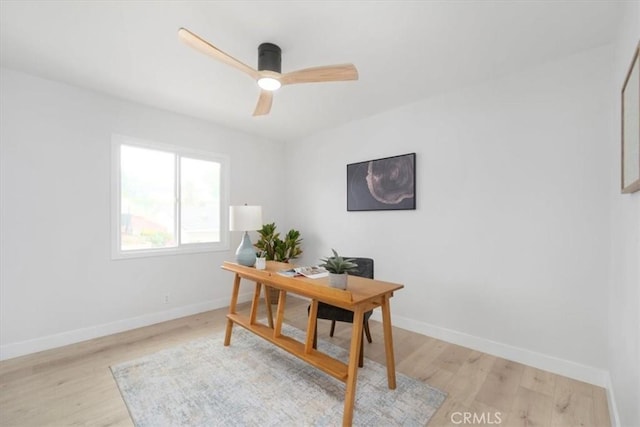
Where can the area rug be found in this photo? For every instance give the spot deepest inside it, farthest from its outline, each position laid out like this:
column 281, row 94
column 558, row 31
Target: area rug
column 254, row 383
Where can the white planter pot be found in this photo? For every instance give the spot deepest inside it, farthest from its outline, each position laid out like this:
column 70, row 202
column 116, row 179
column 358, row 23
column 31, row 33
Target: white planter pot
column 338, row 280
column 261, row 263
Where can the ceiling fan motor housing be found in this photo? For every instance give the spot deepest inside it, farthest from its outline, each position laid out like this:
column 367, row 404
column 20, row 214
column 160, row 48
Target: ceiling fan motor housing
column 269, row 57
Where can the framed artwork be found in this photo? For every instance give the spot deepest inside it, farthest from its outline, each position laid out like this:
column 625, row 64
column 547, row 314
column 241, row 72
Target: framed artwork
column 382, row 184
column 631, row 127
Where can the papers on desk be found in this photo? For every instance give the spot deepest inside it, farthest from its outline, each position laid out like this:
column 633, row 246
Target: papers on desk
column 313, row 272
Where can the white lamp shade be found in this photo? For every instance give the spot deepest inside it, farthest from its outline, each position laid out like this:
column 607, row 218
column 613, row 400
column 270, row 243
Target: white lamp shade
column 245, row 218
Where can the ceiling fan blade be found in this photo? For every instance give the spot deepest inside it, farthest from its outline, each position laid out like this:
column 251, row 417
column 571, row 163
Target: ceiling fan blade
column 329, row 73
column 207, row 48
column 264, row 103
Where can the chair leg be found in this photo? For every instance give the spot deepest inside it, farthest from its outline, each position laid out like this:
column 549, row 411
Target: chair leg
column 333, row 328
column 367, row 331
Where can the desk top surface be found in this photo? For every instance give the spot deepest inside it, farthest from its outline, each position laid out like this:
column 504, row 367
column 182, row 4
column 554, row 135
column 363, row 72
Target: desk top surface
column 359, row 289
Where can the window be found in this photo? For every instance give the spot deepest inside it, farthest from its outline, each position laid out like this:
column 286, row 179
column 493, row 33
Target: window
column 167, row 199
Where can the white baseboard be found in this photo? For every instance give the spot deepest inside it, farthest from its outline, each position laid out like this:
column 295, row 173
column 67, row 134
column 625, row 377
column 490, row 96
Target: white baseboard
column 9, row 351
column 545, row 362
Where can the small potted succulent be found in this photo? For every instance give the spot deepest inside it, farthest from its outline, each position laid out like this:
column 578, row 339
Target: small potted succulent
column 338, row 267
column 261, row 260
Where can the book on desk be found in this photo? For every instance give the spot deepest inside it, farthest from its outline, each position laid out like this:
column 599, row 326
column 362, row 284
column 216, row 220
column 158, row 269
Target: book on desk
column 312, row 272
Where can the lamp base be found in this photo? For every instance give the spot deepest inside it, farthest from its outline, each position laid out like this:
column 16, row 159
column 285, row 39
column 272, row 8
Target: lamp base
column 246, row 254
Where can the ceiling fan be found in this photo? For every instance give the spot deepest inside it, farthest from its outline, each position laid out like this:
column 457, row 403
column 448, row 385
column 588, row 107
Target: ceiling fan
column 268, row 75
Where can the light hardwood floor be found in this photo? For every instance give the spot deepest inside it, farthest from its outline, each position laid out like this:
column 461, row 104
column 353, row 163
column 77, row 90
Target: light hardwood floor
column 73, row 385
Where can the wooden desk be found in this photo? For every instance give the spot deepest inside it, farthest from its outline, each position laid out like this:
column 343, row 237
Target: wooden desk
column 361, row 296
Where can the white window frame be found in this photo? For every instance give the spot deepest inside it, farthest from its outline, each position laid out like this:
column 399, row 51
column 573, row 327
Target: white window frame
column 116, row 250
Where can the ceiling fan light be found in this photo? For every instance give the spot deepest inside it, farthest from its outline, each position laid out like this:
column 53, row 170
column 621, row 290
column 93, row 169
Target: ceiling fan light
column 269, row 83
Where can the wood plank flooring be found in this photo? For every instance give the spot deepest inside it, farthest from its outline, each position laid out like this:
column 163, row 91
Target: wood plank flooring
column 73, row 385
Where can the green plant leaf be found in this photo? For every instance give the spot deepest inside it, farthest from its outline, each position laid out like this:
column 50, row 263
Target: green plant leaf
column 337, row 264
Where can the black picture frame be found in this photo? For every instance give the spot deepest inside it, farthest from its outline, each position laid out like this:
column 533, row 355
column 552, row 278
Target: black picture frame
column 630, row 168
column 383, row 184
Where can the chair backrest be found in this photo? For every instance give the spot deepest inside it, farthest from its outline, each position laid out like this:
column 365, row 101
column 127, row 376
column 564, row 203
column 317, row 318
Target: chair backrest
column 365, row 267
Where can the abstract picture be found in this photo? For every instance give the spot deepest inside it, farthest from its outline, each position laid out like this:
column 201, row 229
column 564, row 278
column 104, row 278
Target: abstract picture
column 382, row 184
column 631, row 127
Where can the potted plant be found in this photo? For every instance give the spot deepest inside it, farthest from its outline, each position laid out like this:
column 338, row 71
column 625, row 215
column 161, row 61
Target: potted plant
column 338, row 267
column 275, row 249
column 261, row 260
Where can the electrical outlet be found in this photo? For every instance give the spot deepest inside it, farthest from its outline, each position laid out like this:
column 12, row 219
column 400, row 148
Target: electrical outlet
column 166, row 298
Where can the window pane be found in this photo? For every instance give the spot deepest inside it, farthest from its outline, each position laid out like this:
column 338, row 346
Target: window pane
column 147, row 198
column 199, row 201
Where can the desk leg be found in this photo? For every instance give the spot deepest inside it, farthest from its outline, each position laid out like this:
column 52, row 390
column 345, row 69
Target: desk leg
column 388, row 342
column 254, row 304
column 311, row 327
column 232, row 309
column 267, row 301
column 282, row 301
column 352, row 376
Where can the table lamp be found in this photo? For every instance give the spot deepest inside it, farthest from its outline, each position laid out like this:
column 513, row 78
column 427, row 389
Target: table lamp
column 245, row 218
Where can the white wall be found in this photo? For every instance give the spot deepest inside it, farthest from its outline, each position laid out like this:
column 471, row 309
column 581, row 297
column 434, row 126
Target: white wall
column 508, row 248
column 624, row 286
column 58, row 281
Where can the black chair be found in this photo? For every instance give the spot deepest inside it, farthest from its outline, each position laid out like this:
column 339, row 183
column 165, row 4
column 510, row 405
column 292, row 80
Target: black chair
column 333, row 313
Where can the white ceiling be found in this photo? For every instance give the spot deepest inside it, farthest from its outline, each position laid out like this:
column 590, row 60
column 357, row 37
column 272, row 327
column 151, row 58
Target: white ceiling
column 404, row 51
